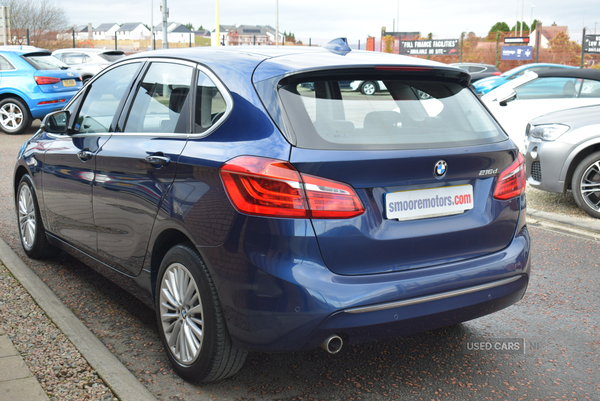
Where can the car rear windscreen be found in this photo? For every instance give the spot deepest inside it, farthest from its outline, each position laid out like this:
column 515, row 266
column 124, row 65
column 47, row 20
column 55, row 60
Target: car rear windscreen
column 112, row 56
column 43, row 61
column 400, row 114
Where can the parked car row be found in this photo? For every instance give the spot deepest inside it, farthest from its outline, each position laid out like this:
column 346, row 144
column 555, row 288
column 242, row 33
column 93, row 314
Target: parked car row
column 35, row 82
column 32, row 84
column 552, row 112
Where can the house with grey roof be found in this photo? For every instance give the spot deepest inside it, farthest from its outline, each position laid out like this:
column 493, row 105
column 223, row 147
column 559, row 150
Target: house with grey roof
column 245, row 35
column 176, row 33
column 106, row 31
column 133, row 31
column 82, row 32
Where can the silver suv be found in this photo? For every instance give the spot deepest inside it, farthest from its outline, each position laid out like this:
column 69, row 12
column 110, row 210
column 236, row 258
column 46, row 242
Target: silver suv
column 88, row 62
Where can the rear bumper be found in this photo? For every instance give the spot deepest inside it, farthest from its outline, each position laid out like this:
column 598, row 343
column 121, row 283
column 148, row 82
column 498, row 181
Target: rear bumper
column 286, row 302
column 40, row 110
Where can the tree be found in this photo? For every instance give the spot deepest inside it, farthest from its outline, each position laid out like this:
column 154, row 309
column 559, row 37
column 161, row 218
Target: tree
column 190, row 26
column 41, row 17
column 517, row 27
column 563, row 50
column 500, row 27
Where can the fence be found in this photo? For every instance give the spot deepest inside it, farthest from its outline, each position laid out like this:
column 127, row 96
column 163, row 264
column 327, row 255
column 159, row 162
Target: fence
column 560, row 50
column 61, row 39
column 487, row 50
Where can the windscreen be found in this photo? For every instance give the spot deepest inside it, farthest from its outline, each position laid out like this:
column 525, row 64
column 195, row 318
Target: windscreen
column 386, row 114
column 45, row 62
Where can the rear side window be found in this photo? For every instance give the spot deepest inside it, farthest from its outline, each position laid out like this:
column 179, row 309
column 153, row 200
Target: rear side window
column 210, row 104
column 5, row 65
column 44, row 62
column 400, row 114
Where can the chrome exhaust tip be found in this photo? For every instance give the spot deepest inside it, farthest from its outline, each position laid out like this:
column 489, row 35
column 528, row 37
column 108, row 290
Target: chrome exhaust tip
column 332, row 344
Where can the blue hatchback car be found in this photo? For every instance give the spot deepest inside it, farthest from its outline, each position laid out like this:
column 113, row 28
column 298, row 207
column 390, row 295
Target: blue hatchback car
column 32, row 84
column 254, row 213
column 485, row 85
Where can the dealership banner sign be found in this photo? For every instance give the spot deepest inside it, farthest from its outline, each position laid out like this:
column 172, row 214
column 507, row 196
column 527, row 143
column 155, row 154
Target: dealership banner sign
column 591, row 44
column 444, row 47
column 516, row 52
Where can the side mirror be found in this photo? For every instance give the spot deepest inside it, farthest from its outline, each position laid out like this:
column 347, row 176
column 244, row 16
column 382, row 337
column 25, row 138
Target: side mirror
column 503, row 101
column 56, row 122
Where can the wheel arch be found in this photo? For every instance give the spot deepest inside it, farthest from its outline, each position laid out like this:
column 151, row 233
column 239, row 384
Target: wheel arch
column 12, row 95
column 19, row 173
column 580, row 154
column 165, row 241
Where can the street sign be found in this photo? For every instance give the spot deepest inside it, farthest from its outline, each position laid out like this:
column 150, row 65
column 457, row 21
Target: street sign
column 516, row 52
column 444, row 47
column 591, row 44
column 524, row 39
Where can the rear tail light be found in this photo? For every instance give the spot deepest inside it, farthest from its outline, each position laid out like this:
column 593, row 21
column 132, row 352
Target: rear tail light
column 512, row 181
column 497, row 73
column 51, row 101
column 269, row 187
column 46, row 80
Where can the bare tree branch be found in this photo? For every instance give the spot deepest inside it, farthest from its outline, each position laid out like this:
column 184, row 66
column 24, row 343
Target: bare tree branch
column 44, row 20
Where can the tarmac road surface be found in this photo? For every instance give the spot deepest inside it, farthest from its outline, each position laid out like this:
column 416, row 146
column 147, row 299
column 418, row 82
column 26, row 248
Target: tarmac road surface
column 555, row 327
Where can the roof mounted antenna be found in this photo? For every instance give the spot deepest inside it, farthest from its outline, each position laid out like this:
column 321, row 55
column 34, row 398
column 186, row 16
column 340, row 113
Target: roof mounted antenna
column 338, row 46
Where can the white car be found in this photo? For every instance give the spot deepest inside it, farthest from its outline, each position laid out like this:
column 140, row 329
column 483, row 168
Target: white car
column 368, row 87
column 517, row 102
column 88, row 62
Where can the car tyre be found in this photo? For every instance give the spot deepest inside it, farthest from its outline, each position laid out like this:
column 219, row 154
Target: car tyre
column 190, row 319
column 14, row 116
column 586, row 185
column 368, row 88
column 31, row 228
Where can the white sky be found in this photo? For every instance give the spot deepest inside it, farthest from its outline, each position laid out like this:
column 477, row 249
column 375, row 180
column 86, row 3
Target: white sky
column 354, row 19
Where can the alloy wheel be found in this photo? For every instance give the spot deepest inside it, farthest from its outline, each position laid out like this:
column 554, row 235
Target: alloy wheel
column 181, row 314
column 27, row 221
column 590, row 186
column 11, row 116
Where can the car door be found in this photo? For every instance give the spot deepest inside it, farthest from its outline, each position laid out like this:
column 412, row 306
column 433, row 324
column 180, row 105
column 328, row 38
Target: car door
column 136, row 166
column 69, row 161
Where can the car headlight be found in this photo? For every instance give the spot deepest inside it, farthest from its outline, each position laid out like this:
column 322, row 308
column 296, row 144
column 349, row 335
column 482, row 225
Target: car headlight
column 549, row 132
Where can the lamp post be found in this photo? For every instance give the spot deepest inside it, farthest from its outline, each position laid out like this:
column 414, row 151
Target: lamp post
column 398, row 28
column 522, row 11
column 531, row 22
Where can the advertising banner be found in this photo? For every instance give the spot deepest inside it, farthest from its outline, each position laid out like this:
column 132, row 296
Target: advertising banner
column 591, row 44
column 516, row 52
column 444, row 47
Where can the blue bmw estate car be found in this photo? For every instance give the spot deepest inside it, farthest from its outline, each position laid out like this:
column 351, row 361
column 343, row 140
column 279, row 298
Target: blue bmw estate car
column 255, row 212
column 32, row 84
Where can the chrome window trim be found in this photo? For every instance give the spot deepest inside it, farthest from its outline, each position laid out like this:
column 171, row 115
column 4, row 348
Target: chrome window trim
column 220, row 86
column 80, row 92
column 434, row 297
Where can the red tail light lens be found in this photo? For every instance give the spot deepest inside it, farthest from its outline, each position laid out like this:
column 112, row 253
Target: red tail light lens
column 497, row 73
column 512, row 181
column 46, row 80
column 268, row 187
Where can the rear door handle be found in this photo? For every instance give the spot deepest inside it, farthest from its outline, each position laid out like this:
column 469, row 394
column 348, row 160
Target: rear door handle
column 158, row 160
column 85, row 155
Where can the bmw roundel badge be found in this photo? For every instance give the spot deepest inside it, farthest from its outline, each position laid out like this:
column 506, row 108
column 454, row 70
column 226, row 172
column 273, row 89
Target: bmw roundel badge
column 440, row 169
